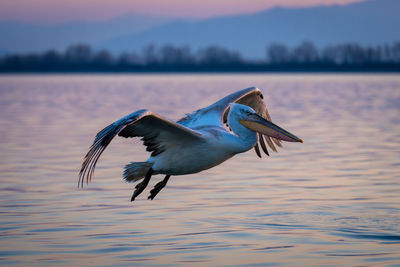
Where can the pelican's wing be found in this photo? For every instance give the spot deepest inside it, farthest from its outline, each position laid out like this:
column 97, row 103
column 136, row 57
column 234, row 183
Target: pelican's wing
column 217, row 113
column 158, row 134
column 254, row 99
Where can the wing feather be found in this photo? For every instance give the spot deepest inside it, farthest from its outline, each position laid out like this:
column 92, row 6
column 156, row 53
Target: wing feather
column 217, row 114
column 158, row 134
column 262, row 143
column 257, row 149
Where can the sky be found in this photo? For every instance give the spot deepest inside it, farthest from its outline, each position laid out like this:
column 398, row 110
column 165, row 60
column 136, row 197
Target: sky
column 60, row 11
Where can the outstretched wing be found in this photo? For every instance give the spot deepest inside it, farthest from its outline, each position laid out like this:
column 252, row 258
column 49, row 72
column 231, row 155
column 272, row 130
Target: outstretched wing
column 217, row 113
column 158, row 134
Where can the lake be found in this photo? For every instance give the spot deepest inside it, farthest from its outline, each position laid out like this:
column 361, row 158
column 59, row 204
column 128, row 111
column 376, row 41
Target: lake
column 334, row 200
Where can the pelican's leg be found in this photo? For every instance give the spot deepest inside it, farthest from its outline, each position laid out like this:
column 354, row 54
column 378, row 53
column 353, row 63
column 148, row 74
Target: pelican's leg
column 141, row 186
column 157, row 188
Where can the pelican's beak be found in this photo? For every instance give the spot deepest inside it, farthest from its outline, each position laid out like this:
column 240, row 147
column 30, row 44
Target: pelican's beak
column 260, row 125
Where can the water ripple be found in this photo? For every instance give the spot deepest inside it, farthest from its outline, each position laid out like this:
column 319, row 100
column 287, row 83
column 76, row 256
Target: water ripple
column 332, row 201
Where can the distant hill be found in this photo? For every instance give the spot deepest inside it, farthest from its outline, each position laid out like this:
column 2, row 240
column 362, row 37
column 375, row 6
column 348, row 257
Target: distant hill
column 369, row 22
column 22, row 37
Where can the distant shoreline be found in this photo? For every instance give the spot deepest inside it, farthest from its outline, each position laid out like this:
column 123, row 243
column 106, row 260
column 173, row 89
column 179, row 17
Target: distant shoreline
column 355, row 71
column 168, row 59
column 305, row 58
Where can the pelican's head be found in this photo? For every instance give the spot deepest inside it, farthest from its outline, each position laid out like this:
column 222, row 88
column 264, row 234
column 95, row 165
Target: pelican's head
column 251, row 120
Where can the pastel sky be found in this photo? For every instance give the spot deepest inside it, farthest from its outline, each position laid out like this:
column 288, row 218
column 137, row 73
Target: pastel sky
column 58, row 11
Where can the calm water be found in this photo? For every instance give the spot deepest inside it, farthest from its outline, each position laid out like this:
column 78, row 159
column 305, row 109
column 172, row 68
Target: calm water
column 333, row 200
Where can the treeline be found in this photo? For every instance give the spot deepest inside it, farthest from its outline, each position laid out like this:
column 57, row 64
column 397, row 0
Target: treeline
column 304, row 57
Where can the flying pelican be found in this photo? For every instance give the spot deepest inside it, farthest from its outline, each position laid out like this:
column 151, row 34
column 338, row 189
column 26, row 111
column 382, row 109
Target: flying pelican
column 199, row 141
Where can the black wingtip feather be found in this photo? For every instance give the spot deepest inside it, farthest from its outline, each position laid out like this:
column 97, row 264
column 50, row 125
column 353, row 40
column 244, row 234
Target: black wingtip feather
column 262, row 143
column 257, row 149
column 102, row 140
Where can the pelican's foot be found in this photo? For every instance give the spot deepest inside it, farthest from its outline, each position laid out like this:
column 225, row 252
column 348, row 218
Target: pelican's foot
column 138, row 190
column 138, row 185
column 141, row 186
column 157, row 188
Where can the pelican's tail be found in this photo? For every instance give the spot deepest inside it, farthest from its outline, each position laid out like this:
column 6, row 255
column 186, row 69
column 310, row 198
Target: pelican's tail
column 135, row 171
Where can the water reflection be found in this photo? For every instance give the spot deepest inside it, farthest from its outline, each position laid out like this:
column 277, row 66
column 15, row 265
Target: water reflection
column 332, row 200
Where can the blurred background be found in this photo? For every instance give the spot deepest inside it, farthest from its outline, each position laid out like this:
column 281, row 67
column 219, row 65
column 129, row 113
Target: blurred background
column 149, row 36
column 328, row 70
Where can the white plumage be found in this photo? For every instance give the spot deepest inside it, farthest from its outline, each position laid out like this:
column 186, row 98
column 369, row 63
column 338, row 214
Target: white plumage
column 197, row 142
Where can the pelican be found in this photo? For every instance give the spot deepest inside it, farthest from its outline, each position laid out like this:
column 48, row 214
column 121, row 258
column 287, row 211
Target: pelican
column 199, row 141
